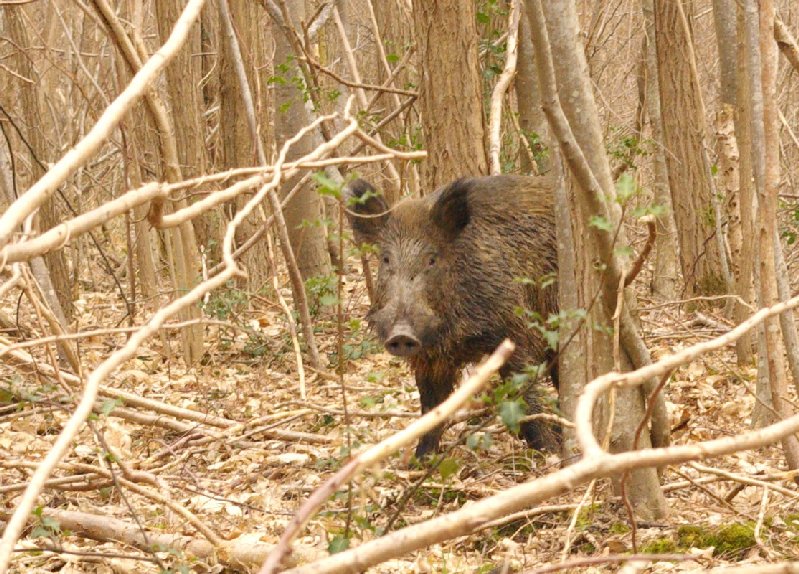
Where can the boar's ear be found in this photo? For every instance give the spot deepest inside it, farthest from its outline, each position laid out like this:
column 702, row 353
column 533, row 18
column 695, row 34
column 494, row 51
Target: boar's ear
column 366, row 210
column 451, row 211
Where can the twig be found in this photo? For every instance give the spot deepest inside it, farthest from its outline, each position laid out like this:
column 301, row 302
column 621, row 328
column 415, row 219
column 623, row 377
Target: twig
column 751, row 481
column 502, row 85
column 289, row 317
column 639, row 261
column 356, row 84
column 564, row 553
column 761, row 516
column 359, row 92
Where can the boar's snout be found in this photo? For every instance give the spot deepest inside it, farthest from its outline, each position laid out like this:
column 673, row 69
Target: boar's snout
column 402, row 341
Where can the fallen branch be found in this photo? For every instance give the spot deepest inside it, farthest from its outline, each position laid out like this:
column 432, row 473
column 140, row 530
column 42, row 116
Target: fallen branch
column 242, row 552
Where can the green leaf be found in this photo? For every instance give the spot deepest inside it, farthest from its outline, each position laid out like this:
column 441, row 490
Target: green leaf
column 363, row 523
column 109, row 405
column 367, row 402
column 327, row 186
column 39, row 532
column 511, row 412
column 552, row 338
column 448, row 467
column 339, row 543
column 479, row 441
column 625, row 188
column 328, row 300
column 624, row 251
column 51, row 523
column 600, row 223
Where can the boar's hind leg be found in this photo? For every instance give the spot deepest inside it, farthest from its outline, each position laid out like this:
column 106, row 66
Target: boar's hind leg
column 540, row 434
column 435, row 384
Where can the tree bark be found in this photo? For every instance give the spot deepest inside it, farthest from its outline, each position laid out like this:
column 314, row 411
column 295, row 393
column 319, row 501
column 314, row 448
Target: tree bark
column 744, row 285
column 184, row 261
column 528, row 95
column 450, row 94
column 183, row 80
column 684, row 134
column 238, row 148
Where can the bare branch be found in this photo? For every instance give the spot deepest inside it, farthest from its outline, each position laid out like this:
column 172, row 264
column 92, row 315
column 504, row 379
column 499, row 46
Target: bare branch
column 502, row 86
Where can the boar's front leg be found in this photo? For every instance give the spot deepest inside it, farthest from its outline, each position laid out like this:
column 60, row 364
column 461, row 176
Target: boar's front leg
column 434, row 382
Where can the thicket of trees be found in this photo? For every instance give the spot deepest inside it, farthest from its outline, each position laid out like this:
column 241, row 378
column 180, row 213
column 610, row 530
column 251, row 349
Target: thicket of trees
column 182, row 162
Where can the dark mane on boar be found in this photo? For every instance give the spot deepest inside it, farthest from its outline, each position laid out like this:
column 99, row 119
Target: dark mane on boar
column 448, row 286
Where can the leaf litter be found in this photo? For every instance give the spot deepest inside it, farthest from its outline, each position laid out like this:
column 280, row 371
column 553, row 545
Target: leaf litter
column 245, row 482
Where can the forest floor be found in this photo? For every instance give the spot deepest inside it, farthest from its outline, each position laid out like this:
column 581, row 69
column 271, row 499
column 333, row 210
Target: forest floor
column 247, row 482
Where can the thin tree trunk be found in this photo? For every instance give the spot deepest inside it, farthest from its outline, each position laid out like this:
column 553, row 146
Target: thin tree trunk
column 304, row 212
column 528, row 95
column 744, row 285
column 759, row 25
column 183, row 79
column 684, row 133
column 450, row 94
column 186, row 256
column 31, row 111
column 664, row 278
column 787, row 323
column 238, row 148
column 726, row 146
column 133, row 130
column 239, row 69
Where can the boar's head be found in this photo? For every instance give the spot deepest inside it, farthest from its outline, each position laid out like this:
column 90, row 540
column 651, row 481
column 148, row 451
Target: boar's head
column 418, row 262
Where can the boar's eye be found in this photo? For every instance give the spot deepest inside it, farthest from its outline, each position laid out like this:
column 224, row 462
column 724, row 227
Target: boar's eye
column 385, row 259
column 431, row 261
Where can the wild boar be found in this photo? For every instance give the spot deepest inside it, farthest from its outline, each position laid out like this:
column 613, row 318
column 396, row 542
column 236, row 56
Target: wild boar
column 454, row 269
